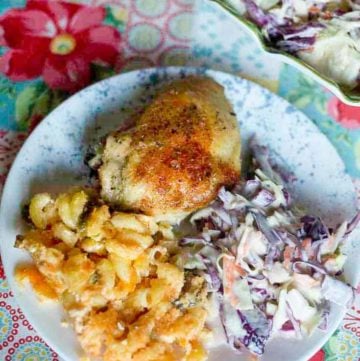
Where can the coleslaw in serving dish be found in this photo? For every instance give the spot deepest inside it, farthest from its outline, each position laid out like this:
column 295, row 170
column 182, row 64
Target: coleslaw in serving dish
column 320, row 37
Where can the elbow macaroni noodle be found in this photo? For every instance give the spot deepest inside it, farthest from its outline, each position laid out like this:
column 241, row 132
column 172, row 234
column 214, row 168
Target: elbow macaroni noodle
column 113, row 274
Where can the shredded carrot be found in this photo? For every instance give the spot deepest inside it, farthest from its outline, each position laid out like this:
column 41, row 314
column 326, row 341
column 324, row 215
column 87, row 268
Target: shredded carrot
column 306, row 245
column 327, row 15
column 233, row 267
column 232, row 272
column 288, row 253
column 314, row 10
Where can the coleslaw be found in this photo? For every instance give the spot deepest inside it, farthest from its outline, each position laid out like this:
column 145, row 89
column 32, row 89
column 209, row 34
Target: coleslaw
column 271, row 269
column 324, row 33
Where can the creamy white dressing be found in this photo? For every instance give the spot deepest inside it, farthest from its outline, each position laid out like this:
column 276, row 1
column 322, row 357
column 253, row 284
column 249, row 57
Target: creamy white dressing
column 336, row 56
column 336, row 291
column 280, row 316
column 266, row 261
column 267, row 4
column 308, row 286
column 241, row 290
column 277, row 273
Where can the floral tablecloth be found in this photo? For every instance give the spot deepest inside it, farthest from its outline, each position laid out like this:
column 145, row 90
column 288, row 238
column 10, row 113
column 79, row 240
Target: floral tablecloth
column 50, row 49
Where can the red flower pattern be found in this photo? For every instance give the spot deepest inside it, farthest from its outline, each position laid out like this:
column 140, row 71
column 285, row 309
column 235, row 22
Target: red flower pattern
column 57, row 40
column 346, row 115
column 319, row 356
column 2, row 273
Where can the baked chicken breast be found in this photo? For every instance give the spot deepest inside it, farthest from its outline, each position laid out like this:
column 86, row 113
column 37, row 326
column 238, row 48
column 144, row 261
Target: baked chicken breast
column 183, row 148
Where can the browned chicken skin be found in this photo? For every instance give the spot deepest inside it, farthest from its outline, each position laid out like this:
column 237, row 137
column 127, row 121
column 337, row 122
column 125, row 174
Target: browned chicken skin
column 183, row 148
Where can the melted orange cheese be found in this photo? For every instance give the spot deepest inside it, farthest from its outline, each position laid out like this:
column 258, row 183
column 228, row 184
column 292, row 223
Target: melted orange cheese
column 37, row 281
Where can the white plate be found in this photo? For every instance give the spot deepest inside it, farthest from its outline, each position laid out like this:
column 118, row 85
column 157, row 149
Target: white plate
column 52, row 159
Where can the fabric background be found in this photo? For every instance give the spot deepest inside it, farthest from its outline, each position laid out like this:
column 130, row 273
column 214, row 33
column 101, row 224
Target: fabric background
column 155, row 33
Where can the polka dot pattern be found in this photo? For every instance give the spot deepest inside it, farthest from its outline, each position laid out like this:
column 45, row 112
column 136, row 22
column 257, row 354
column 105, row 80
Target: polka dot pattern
column 137, row 62
column 185, row 3
column 6, row 324
column 9, row 324
column 179, row 26
column 174, row 56
column 144, row 37
column 151, row 8
column 343, row 344
column 158, row 32
column 30, row 348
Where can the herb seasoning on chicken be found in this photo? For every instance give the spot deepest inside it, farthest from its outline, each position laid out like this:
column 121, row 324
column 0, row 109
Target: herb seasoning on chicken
column 181, row 151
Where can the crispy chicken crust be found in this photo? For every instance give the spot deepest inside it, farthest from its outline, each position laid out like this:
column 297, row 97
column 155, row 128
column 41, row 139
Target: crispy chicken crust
column 183, row 148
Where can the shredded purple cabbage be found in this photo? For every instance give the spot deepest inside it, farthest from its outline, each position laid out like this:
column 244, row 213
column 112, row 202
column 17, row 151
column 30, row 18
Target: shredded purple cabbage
column 268, row 250
column 257, row 15
column 314, row 228
column 299, row 27
column 257, row 327
column 271, row 234
column 306, row 267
